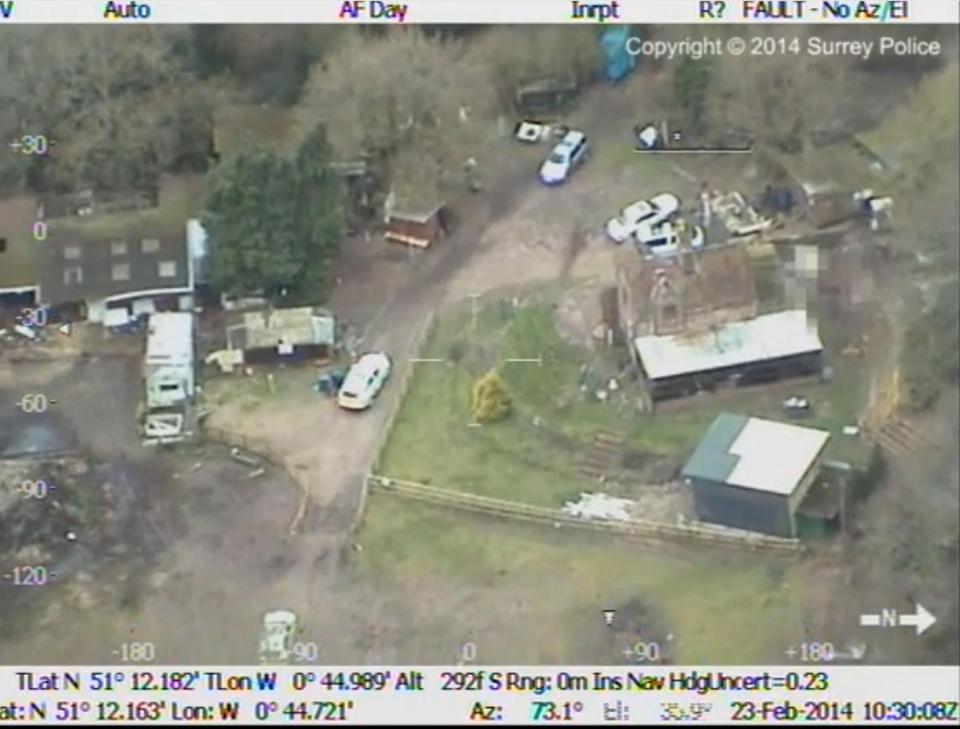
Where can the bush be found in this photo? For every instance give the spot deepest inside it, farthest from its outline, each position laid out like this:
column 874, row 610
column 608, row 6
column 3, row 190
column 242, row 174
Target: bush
column 930, row 356
column 490, row 401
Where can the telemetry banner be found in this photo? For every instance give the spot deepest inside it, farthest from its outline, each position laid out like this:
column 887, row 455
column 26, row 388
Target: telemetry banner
column 888, row 12
column 807, row 693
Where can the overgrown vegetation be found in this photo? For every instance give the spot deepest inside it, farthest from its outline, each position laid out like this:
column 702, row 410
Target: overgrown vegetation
column 123, row 106
column 420, row 123
column 931, row 347
column 272, row 63
column 117, row 106
column 691, row 82
column 921, row 145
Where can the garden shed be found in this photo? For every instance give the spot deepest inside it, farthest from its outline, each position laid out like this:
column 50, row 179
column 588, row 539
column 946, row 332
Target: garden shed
column 752, row 473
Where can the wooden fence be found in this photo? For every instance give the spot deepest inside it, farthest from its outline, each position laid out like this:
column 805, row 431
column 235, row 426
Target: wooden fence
column 639, row 529
column 403, row 379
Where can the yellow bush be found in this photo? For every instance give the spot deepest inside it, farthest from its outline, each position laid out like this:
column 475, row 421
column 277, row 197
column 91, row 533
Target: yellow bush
column 490, row 401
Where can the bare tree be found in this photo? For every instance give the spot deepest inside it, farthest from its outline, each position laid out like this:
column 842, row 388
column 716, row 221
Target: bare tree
column 781, row 102
column 407, row 100
column 102, row 97
column 514, row 55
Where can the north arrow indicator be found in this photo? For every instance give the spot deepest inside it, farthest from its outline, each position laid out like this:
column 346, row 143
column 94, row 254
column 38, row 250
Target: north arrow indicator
column 922, row 619
column 887, row 618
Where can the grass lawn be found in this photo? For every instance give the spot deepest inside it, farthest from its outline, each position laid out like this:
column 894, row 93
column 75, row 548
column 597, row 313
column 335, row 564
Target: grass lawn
column 720, row 606
column 533, row 455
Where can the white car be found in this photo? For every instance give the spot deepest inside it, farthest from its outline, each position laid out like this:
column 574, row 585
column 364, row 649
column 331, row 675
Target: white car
column 654, row 211
column 564, row 158
column 276, row 643
column 363, row 381
column 664, row 239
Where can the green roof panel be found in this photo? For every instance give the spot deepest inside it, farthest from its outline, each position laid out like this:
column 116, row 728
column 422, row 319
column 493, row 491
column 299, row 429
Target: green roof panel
column 711, row 460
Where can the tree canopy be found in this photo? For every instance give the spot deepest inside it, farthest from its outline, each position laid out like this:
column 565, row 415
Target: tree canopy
column 275, row 223
column 111, row 103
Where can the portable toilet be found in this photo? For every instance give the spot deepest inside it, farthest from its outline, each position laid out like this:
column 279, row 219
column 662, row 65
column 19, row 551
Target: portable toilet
column 617, row 60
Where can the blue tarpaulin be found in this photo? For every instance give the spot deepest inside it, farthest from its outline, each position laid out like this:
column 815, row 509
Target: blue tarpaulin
column 617, row 61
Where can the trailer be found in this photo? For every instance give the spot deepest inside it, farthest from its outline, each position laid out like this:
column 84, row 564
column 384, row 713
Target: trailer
column 169, row 377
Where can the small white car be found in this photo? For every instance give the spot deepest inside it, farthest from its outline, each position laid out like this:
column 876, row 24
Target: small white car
column 564, row 158
column 363, row 381
column 276, row 642
column 654, row 211
column 664, row 239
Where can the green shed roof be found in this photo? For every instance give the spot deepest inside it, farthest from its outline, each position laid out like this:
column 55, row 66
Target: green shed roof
column 711, row 460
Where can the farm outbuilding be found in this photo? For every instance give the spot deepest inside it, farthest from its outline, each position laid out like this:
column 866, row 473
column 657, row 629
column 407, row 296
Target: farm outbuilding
column 751, row 473
column 823, row 182
column 299, row 334
column 764, row 349
column 420, row 229
column 112, row 279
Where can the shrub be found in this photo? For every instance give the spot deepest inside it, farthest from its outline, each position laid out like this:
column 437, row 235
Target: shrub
column 490, row 401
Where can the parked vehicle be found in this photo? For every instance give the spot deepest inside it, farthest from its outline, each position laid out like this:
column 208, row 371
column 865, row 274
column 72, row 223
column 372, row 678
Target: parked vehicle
column 796, row 406
column 564, row 158
column 276, row 642
column 648, row 136
column 664, row 239
column 546, row 96
column 364, row 381
column 654, row 211
column 533, row 132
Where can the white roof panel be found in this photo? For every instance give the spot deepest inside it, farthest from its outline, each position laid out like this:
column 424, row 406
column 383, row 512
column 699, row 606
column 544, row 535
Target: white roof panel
column 783, row 334
column 774, row 456
column 170, row 338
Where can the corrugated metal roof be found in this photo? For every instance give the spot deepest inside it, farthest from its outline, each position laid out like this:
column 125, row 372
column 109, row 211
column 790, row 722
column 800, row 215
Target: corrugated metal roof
column 755, row 453
column 782, row 334
column 774, row 456
column 303, row 325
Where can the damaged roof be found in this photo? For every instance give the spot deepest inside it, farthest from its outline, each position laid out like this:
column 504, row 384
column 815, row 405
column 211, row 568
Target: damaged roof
column 305, row 325
column 713, row 278
column 766, row 337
